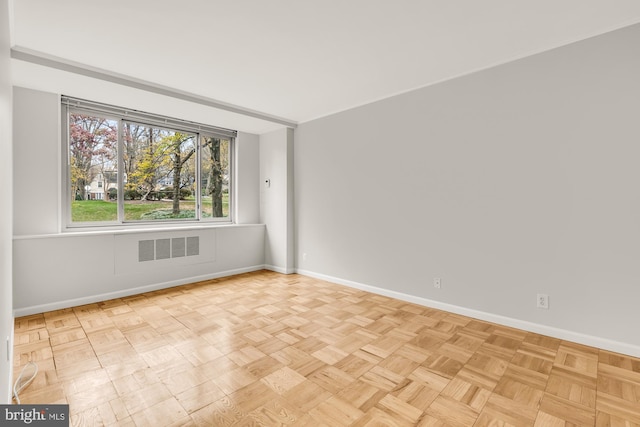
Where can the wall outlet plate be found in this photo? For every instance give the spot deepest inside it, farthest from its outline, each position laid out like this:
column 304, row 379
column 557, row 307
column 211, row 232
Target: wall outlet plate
column 436, row 282
column 543, row 301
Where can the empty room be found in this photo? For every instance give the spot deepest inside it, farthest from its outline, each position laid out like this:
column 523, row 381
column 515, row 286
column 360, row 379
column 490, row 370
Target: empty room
column 320, row 213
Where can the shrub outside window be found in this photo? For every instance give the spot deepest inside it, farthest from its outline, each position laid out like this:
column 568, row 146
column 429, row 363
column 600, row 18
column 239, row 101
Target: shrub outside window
column 127, row 167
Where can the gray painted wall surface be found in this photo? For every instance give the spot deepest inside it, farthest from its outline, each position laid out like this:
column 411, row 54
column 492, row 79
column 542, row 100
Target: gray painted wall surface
column 57, row 271
column 247, row 189
column 276, row 199
column 513, row 181
column 36, row 154
column 6, row 316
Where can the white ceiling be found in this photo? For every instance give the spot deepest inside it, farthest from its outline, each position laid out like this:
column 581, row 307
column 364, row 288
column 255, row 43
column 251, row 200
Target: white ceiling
column 302, row 59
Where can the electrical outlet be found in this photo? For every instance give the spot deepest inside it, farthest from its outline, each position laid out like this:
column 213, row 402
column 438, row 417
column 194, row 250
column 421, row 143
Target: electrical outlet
column 304, row 256
column 543, row 301
column 436, row 282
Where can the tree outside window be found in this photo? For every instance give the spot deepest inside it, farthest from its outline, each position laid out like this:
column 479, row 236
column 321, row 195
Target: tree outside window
column 165, row 174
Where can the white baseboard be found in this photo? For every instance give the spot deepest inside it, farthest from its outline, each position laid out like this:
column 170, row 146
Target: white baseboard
column 577, row 337
column 25, row 311
column 280, row 269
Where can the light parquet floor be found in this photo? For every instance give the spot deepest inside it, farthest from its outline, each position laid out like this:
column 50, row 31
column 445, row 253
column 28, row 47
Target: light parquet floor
column 270, row 349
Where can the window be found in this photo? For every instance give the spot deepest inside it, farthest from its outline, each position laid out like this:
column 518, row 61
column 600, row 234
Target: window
column 128, row 167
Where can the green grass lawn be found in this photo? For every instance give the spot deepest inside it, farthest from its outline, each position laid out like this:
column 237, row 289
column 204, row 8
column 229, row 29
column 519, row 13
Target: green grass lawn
column 100, row 210
column 93, row 210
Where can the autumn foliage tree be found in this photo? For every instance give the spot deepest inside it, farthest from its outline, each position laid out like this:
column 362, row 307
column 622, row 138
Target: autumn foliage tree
column 144, row 164
column 92, row 148
column 134, row 143
column 164, row 156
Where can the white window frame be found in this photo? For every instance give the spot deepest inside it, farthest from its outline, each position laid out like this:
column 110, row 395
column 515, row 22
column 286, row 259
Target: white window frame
column 121, row 115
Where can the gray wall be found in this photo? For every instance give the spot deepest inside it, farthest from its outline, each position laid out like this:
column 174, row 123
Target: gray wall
column 57, row 271
column 81, row 267
column 276, row 199
column 6, row 317
column 513, row 181
column 36, row 155
column 247, row 179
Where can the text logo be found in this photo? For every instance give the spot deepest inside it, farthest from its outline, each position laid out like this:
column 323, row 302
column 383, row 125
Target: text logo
column 34, row 415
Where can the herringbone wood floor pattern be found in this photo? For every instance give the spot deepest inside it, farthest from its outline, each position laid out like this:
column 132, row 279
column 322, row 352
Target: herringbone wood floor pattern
column 270, row 349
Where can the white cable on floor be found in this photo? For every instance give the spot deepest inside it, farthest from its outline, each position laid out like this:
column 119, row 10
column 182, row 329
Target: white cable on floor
column 17, row 387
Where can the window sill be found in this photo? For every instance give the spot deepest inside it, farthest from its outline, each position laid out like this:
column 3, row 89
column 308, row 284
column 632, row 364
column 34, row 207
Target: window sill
column 98, row 231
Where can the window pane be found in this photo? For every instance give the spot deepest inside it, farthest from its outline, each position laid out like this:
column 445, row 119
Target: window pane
column 159, row 174
column 130, row 166
column 93, row 161
column 214, row 176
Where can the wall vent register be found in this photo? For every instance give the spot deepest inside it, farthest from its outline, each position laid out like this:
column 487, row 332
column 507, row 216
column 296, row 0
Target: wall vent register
column 177, row 247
